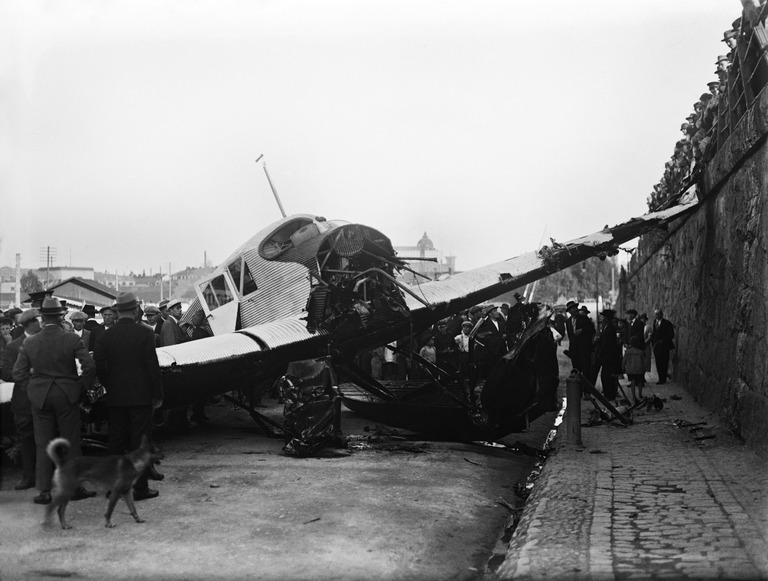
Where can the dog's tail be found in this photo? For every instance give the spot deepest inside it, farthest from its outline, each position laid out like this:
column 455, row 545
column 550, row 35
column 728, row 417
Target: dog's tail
column 58, row 450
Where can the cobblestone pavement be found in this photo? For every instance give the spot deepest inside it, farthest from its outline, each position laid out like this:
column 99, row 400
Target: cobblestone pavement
column 659, row 499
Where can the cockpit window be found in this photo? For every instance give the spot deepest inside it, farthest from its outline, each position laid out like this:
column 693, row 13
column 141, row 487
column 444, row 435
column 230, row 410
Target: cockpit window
column 216, row 293
column 241, row 274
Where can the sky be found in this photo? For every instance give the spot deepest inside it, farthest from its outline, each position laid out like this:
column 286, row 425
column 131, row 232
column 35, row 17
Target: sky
column 129, row 129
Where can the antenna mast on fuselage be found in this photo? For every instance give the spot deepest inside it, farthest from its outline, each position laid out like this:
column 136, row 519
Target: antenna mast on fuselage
column 274, row 191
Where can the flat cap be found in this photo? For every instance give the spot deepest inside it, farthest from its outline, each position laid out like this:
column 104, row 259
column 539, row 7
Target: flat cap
column 78, row 316
column 27, row 316
column 152, row 310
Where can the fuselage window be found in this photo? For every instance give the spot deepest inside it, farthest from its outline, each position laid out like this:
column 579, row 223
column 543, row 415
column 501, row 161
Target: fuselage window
column 219, row 286
column 210, row 297
column 241, row 274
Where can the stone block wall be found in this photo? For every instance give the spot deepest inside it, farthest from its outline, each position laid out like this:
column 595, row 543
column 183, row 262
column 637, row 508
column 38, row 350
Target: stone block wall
column 709, row 274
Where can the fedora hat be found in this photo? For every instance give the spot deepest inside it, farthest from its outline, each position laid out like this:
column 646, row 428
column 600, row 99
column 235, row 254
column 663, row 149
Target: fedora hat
column 52, row 306
column 608, row 313
column 571, row 305
column 126, row 301
column 89, row 310
column 174, row 303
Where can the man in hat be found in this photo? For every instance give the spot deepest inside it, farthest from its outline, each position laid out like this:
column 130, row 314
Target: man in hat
column 16, row 328
column 126, row 363
column 492, row 334
column 47, row 362
column 155, row 321
column 79, row 318
column 108, row 316
column 171, row 333
column 35, row 299
column 20, row 406
column 91, row 322
column 610, row 355
column 580, row 332
column 635, row 330
column 662, row 341
column 163, row 306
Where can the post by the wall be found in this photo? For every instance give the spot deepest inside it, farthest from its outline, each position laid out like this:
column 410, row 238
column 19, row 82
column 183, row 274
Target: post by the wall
column 573, row 411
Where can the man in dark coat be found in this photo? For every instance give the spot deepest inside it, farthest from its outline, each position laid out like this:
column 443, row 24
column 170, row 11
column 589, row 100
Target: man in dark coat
column 108, row 315
column 47, row 361
column 662, row 341
column 491, row 334
column 20, row 406
column 91, row 322
column 126, row 363
column 155, row 321
column 610, row 355
column 635, row 330
column 580, row 333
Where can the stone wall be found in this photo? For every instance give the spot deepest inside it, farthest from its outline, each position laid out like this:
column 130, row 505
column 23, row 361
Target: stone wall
column 709, row 273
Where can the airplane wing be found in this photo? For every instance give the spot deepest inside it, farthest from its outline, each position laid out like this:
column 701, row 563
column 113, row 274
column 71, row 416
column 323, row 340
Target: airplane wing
column 261, row 352
column 257, row 353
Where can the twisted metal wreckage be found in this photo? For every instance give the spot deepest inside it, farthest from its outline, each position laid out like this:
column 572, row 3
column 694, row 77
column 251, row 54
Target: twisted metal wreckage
column 303, row 297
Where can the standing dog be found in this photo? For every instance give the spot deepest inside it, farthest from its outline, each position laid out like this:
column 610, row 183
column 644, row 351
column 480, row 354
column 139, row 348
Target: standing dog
column 114, row 473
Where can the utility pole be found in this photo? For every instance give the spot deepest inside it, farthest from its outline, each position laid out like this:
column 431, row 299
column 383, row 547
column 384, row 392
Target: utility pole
column 170, row 281
column 161, row 283
column 49, row 253
column 17, row 298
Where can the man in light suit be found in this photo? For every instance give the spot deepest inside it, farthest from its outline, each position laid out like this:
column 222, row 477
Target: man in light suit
column 171, row 333
column 47, row 361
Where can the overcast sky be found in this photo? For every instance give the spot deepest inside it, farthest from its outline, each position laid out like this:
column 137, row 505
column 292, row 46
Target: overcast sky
column 130, row 128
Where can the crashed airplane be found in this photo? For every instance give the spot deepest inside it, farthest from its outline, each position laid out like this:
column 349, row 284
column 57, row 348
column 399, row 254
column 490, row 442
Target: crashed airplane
column 303, row 297
column 307, row 288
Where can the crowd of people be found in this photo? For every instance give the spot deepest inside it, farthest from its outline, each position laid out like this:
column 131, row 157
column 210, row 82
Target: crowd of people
column 469, row 344
column 619, row 347
column 712, row 115
column 56, row 356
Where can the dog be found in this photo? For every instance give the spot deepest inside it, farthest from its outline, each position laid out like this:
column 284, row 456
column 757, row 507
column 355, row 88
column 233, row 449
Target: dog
column 114, row 473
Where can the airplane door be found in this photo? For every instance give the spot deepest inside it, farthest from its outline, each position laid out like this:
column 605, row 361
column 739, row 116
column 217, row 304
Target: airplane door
column 219, row 300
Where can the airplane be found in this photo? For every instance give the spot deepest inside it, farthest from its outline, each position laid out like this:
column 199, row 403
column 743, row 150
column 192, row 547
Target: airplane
column 308, row 289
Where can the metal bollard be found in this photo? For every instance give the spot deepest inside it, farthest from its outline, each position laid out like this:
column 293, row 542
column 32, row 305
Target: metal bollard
column 573, row 415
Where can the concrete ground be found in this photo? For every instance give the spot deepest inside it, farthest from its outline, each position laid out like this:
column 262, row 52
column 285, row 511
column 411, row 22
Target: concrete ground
column 232, row 505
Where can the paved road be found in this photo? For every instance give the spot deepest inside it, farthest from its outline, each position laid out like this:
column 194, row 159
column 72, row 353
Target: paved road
column 233, row 506
column 673, row 496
